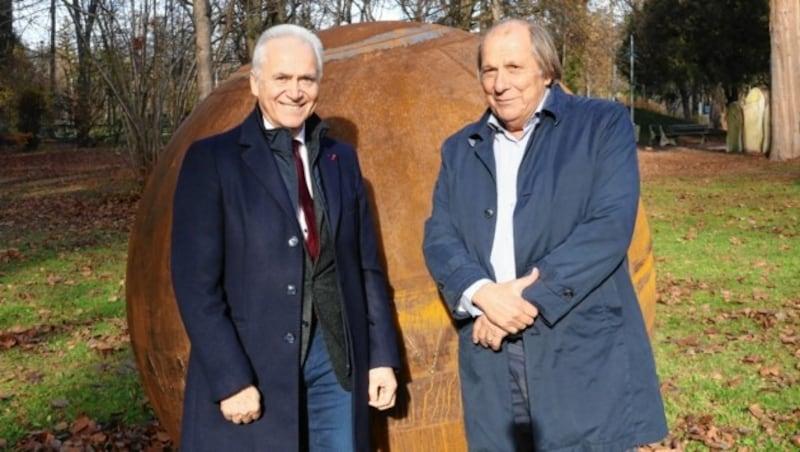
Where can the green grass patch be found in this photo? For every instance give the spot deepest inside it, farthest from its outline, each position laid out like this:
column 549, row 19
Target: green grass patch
column 727, row 338
column 85, row 369
column 62, row 317
column 64, row 344
column 56, row 286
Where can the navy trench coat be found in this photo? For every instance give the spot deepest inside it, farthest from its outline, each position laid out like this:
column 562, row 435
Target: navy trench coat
column 590, row 371
column 237, row 270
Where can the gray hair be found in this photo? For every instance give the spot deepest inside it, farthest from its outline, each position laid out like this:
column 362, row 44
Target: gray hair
column 283, row 31
column 542, row 47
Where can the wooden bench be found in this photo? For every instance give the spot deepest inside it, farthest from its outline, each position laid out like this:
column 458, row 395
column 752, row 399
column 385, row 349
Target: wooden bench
column 658, row 137
column 680, row 130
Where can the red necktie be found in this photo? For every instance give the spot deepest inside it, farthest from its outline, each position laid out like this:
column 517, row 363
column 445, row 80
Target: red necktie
column 306, row 204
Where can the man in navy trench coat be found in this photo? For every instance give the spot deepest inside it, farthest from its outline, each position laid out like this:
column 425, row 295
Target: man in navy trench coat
column 250, row 293
column 533, row 212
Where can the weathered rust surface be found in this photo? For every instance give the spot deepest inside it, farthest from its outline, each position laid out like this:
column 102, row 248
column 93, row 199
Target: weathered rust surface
column 395, row 90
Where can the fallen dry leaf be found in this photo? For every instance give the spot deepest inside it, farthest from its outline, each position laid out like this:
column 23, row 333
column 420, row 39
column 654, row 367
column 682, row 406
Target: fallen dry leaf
column 752, row 359
column 770, row 371
column 759, row 294
column 756, row 411
column 82, row 425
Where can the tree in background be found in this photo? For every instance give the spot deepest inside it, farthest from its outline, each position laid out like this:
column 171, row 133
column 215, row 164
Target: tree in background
column 256, row 16
column 83, row 17
column 30, row 108
column 687, row 49
column 146, row 61
column 662, row 55
column 7, row 37
column 604, row 35
column 785, row 97
column 138, row 67
column 22, row 87
column 7, row 40
column 730, row 43
column 76, row 104
column 201, row 13
column 468, row 15
column 418, row 10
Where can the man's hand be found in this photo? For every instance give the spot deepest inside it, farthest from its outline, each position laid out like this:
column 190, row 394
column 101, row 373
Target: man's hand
column 382, row 388
column 487, row 334
column 504, row 306
column 243, row 407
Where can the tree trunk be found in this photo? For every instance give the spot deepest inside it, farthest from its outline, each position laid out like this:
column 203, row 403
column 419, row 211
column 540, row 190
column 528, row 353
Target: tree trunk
column 459, row 14
column 686, row 102
column 6, row 28
column 497, row 11
column 52, row 47
column 83, row 22
column 202, row 26
column 785, row 96
column 253, row 24
column 343, row 12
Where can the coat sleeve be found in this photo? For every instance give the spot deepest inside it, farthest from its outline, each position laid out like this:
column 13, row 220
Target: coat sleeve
column 597, row 245
column 446, row 255
column 197, row 266
column 383, row 340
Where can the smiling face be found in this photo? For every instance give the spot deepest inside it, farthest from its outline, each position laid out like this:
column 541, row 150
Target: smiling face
column 287, row 83
column 511, row 77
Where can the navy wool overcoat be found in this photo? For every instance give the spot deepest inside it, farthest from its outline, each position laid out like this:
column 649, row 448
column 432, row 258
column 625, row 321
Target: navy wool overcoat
column 237, row 270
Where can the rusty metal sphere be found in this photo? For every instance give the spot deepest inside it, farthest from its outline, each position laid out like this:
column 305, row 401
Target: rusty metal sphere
column 395, row 90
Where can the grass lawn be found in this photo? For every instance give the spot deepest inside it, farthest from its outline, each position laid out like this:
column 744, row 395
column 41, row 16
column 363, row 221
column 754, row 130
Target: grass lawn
column 727, row 339
column 67, row 375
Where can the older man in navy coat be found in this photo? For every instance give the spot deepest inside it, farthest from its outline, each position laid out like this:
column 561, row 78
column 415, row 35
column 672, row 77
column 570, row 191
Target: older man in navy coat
column 533, row 212
column 277, row 276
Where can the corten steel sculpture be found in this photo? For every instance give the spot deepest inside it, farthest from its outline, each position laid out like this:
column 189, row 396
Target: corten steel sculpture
column 395, row 90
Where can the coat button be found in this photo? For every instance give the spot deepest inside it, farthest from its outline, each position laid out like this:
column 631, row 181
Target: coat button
column 568, row 293
column 291, row 289
column 488, row 213
column 293, row 241
column 289, row 338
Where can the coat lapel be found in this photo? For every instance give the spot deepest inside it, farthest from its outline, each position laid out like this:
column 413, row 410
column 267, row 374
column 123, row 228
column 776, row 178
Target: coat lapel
column 257, row 155
column 330, row 172
column 481, row 140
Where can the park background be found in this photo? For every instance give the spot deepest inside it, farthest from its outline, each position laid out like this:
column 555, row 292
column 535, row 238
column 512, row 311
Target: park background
column 85, row 111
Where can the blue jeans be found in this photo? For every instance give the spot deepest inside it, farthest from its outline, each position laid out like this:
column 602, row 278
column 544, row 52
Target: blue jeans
column 329, row 408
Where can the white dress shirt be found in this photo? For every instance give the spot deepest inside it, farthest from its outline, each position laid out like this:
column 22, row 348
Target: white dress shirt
column 508, row 153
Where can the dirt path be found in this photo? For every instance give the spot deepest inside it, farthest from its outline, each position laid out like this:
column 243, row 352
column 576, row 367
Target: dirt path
column 692, row 163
